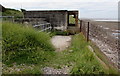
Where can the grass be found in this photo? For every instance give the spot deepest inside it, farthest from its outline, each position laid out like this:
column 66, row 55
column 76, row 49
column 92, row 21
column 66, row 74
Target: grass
column 12, row 12
column 17, row 37
column 71, row 20
column 83, row 55
column 34, row 67
column 21, row 44
column 111, row 69
column 78, row 58
column 81, row 59
column 59, row 32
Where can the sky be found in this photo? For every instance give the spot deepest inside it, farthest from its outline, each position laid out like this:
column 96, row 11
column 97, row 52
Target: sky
column 86, row 8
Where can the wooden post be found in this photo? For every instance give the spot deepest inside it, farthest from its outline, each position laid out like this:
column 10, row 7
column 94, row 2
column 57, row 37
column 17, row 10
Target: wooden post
column 52, row 27
column 88, row 32
column 80, row 25
column 76, row 20
column 68, row 19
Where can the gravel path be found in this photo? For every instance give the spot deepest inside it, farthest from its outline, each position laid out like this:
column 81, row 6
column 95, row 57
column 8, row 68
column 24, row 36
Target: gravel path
column 51, row 70
column 61, row 42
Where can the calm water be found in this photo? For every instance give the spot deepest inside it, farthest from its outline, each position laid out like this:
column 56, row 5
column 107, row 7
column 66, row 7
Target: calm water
column 116, row 33
column 109, row 20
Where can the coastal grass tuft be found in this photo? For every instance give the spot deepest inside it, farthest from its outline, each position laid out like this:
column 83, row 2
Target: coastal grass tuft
column 27, row 51
column 21, row 44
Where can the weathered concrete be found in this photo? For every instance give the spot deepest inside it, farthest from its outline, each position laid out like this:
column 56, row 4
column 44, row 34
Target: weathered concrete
column 61, row 42
column 57, row 18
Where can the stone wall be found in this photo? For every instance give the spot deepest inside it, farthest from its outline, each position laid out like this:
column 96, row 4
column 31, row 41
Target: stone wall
column 102, row 33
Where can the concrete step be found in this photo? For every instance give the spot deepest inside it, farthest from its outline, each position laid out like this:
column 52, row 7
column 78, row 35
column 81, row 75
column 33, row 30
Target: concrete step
column 73, row 29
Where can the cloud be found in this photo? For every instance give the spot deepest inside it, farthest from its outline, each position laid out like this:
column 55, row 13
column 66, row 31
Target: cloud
column 87, row 8
column 7, row 1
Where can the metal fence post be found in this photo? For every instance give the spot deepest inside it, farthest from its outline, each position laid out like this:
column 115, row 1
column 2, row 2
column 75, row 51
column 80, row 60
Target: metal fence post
column 80, row 25
column 88, row 32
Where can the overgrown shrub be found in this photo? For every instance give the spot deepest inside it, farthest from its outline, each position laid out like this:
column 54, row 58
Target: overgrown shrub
column 12, row 12
column 21, row 40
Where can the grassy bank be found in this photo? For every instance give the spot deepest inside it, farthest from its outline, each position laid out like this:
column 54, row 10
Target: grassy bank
column 27, row 51
column 12, row 12
column 85, row 61
column 23, row 44
column 79, row 57
column 111, row 69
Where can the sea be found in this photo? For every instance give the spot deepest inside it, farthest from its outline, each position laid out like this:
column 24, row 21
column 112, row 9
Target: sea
column 116, row 34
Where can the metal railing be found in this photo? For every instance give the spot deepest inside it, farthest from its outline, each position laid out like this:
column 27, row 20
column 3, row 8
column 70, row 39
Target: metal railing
column 8, row 18
column 43, row 27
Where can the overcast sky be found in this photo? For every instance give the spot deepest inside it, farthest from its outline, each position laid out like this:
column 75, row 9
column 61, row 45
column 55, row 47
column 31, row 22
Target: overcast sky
column 87, row 8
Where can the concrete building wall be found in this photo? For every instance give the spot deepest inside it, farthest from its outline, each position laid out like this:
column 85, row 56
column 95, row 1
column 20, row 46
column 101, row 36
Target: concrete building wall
column 56, row 18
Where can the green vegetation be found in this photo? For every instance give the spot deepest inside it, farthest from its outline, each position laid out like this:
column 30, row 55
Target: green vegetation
column 29, row 64
column 109, row 67
column 86, row 62
column 71, row 20
column 21, row 44
column 79, row 57
column 12, row 12
column 59, row 32
column 27, row 51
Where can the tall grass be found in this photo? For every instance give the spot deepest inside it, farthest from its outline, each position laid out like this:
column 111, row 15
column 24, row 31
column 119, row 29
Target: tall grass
column 20, row 42
column 79, row 57
column 103, row 57
column 25, row 45
column 84, row 59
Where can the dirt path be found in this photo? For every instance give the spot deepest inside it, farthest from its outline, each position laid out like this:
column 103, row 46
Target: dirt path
column 61, row 42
